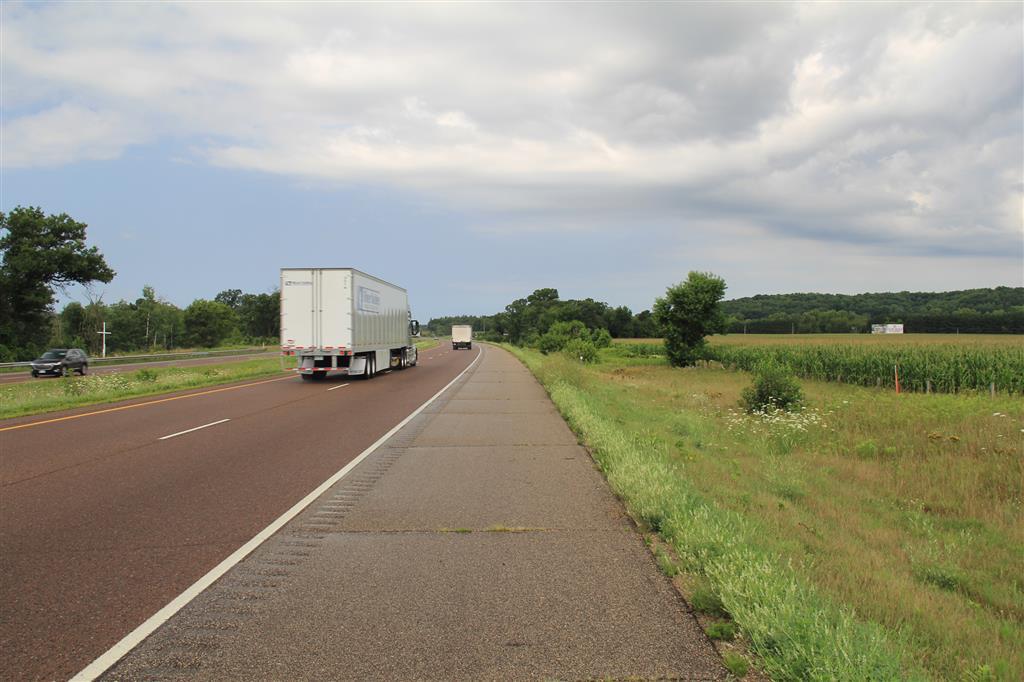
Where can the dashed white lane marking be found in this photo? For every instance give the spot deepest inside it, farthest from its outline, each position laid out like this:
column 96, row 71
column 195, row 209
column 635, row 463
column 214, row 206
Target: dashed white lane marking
column 132, row 639
column 387, row 371
column 335, row 388
column 204, row 426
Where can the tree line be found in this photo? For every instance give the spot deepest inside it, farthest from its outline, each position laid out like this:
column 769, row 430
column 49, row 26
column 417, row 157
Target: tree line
column 525, row 320
column 993, row 311
column 687, row 313
column 151, row 323
column 41, row 255
column 974, row 311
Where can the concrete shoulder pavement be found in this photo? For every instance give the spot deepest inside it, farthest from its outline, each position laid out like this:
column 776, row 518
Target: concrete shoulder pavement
column 479, row 542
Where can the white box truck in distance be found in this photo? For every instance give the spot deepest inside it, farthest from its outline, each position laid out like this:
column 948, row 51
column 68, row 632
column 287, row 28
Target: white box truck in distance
column 462, row 336
column 343, row 320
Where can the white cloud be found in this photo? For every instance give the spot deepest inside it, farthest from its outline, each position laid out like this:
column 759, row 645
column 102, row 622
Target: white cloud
column 64, row 134
column 893, row 125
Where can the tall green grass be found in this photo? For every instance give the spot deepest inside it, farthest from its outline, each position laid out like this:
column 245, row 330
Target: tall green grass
column 946, row 368
column 799, row 633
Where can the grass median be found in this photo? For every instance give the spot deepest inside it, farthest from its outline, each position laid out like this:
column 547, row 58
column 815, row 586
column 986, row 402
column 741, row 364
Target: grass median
column 48, row 395
column 869, row 536
column 144, row 357
column 424, row 344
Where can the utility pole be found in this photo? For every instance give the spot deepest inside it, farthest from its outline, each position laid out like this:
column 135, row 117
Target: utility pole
column 104, row 334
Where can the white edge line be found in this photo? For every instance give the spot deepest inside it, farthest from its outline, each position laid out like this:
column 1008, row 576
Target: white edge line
column 334, row 388
column 135, row 637
column 180, row 433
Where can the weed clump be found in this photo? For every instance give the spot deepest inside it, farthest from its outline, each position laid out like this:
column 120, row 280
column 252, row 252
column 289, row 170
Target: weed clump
column 601, row 338
column 723, row 630
column 736, row 664
column 72, row 386
column 146, row 375
column 774, row 388
column 943, row 577
column 581, row 350
column 665, row 563
column 706, row 601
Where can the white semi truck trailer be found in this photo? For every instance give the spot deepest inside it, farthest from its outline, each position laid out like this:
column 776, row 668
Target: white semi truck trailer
column 462, row 336
column 343, row 320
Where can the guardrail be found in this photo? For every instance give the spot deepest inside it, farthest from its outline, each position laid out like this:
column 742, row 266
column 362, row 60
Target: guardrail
column 159, row 356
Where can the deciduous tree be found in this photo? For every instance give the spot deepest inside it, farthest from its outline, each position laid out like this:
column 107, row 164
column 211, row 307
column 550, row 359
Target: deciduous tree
column 208, row 323
column 39, row 253
column 687, row 313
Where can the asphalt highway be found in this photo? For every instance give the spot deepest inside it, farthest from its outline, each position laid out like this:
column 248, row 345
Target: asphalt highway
column 547, row 578
column 26, row 375
column 107, row 516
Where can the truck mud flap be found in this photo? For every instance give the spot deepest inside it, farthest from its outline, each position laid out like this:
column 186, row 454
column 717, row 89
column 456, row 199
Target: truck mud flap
column 357, row 366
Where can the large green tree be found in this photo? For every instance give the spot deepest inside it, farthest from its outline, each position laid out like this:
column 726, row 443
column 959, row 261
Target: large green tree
column 687, row 313
column 259, row 315
column 229, row 297
column 40, row 253
column 208, row 323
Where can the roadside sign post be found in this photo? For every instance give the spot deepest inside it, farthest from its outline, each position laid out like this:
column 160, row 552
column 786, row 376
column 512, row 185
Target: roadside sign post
column 104, row 334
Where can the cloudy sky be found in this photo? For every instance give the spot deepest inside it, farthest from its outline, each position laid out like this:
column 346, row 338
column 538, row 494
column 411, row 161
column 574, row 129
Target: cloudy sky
column 475, row 152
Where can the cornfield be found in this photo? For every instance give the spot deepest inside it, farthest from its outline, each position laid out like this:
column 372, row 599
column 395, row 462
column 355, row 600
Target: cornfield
column 942, row 368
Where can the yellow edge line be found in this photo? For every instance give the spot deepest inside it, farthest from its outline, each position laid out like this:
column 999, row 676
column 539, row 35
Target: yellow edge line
column 129, row 407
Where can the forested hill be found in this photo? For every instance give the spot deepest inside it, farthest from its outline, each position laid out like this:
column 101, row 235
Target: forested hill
column 998, row 310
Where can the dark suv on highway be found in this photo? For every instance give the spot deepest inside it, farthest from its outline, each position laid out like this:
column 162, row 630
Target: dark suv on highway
column 59, row 361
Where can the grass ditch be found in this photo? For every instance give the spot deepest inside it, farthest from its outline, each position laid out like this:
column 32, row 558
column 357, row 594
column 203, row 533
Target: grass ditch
column 141, row 356
column 424, row 344
column 48, row 395
column 871, row 536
